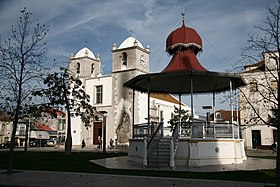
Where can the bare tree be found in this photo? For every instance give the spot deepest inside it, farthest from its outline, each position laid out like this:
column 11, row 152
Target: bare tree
column 261, row 97
column 65, row 91
column 22, row 64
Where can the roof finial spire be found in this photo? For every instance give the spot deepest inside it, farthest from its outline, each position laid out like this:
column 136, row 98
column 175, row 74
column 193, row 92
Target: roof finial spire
column 131, row 32
column 183, row 16
column 86, row 43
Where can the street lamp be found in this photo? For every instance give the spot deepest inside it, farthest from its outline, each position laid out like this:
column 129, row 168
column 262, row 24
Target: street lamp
column 104, row 115
column 207, row 108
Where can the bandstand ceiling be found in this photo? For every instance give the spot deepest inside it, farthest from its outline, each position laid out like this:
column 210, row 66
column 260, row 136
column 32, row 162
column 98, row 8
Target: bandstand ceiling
column 180, row 82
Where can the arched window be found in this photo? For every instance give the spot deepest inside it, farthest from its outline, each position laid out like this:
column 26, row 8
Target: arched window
column 124, row 59
column 218, row 116
column 78, row 67
column 92, row 68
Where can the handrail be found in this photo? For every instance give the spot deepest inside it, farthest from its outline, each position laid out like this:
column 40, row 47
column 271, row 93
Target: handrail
column 173, row 143
column 155, row 137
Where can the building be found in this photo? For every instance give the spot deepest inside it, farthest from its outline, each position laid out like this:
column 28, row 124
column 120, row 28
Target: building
column 226, row 116
column 45, row 127
column 108, row 95
column 5, row 127
column 257, row 99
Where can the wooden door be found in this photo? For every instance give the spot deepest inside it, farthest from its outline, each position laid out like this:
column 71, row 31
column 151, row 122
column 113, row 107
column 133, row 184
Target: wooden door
column 97, row 132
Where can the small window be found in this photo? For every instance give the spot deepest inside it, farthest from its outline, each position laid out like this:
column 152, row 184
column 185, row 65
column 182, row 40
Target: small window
column 22, row 130
column 78, row 67
column 274, row 85
column 92, row 68
column 124, row 59
column 61, row 124
column 253, row 87
column 218, row 116
column 99, row 93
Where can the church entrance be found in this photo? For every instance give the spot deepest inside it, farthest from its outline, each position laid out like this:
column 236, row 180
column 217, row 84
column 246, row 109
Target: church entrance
column 256, row 139
column 97, row 132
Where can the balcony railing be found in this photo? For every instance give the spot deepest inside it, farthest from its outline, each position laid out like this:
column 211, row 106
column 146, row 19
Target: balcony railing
column 191, row 130
column 140, row 131
column 214, row 130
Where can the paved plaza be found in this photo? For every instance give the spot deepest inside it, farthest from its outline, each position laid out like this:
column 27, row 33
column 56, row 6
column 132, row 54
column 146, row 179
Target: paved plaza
column 61, row 179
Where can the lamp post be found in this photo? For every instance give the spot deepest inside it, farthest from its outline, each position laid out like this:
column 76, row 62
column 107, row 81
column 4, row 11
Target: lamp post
column 104, row 116
column 207, row 108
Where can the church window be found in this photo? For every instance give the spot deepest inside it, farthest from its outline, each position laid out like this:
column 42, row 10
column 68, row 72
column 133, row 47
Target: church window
column 124, row 58
column 99, row 93
column 253, row 87
column 78, row 67
column 92, row 68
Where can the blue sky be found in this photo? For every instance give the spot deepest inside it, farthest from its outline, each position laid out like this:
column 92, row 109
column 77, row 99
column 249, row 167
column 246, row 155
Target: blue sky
column 223, row 25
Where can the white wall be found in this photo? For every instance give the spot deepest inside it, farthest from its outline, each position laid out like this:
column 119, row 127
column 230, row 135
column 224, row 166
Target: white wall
column 75, row 130
column 136, row 148
column 248, row 118
column 142, row 110
column 200, row 152
column 220, row 151
column 166, row 107
column 106, row 82
column 266, row 135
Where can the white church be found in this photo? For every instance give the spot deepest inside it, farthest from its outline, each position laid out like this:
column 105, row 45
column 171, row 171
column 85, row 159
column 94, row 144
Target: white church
column 108, row 95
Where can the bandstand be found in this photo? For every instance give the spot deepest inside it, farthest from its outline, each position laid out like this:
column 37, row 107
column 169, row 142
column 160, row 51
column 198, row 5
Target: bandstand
column 197, row 143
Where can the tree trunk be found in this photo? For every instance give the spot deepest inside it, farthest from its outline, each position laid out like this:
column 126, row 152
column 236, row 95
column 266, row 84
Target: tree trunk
column 278, row 129
column 11, row 151
column 68, row 142
column 13, row 139
column 15, row 122
column 278, row 157
column 26, row 135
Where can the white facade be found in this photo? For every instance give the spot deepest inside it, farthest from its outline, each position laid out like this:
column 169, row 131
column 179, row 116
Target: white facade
column 5, row 131
column 257, row 99
column 107, row 94
column 91, row 88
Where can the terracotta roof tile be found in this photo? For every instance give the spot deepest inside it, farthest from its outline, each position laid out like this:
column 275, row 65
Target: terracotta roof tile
column 43, row 127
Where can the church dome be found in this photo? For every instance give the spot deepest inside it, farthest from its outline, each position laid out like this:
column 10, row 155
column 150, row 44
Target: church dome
column 85, row 52
column 183, row 44
column 183, row 37
column 130, row 42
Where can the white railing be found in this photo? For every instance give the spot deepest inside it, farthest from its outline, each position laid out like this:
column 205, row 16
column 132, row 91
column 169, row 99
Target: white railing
column 195, row 130
column 140, row 131
column 214, row 130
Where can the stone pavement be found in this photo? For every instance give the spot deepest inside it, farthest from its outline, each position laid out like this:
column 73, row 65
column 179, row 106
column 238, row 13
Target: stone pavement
column 126, row 162
column 61, row 179
column 65, row 179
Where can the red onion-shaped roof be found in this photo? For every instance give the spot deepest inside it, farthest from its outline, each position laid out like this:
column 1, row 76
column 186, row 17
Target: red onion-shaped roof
column 183, row 37
column 184, row 61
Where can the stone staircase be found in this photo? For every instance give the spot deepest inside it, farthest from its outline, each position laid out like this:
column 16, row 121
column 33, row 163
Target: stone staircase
column 160, row 155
